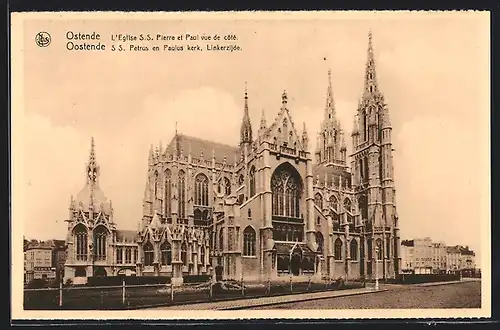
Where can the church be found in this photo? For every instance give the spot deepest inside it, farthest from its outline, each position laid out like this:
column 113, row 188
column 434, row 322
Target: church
column 267, row 208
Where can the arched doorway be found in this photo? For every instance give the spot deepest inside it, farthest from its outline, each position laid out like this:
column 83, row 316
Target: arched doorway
column 296, row 261
column 218, row 273
column 100, row 272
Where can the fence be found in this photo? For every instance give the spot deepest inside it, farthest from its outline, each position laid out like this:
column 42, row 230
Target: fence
column 426, row 278
column 149, row 295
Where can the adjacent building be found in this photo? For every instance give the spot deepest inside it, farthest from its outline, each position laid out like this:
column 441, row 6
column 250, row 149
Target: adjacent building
column 423, row 256
column 266, row 208
column 44, row 259
column 38, row 262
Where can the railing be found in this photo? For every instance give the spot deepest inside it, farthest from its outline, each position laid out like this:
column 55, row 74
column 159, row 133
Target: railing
column 287, row 150
column 149, row 295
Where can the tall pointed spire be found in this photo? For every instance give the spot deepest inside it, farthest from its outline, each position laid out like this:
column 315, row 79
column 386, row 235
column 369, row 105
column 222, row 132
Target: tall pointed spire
column 263, row 124
column 246, row 126
column 92, row 151
column 305, row 138
column 330, row 105
column 371, row 86
column 92, row 166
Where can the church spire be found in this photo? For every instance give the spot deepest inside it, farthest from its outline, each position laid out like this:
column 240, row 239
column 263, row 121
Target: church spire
column 246, row 126
column 330, row 105
column 371, row 86
column 263, row 124
column 92, row 166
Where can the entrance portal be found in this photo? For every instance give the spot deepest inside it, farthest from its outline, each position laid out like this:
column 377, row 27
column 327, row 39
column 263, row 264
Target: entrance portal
column 295, row 264
column 296, row 260
column 100, row 272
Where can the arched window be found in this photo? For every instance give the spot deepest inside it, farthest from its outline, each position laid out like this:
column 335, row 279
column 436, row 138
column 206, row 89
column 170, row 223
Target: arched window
column 318, row 221
column 227, row 186
column 252, row 181
column 100, row 246
column 168, row 194
column 149, row 254
column 184, row 254
column 379, row 247
column 337, row 249
column 388, row 249
column 354, row 250
column 241, row 180
column 128, row 255
column 318, row 200
column 81, row 242
column 286, row 188
column 221, row 239
column 363, row 207
column 347, row 205
column 202, row 255
column 182, row 194
column 198, row 215
column 166, row 253
column 365, row 126
column 119, row 255
column 249, row 213
column 321, row 242
column 333, row 202
column 201, row 190
column 249, row 241
column 156, row 184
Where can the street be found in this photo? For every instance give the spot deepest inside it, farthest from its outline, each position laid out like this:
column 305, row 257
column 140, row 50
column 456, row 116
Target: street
column 460, row 295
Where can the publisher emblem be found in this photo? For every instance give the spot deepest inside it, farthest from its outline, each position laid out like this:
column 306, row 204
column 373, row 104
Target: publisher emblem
column 42, row 39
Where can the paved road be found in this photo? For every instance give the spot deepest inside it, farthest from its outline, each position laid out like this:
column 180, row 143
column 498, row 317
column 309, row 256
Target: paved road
column 460, row 295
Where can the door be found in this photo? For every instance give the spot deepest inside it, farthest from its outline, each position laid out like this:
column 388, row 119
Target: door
column 295, row 264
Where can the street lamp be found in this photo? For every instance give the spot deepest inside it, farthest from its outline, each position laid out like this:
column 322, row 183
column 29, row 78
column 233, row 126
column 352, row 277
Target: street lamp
column 91, row 250
column 376, row 267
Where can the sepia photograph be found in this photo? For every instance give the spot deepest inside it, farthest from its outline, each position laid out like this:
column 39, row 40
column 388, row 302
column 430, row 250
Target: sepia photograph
column 250, row 165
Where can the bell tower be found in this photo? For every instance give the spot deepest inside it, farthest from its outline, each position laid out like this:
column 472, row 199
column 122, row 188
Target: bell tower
column 373, row 182
column 331, row 147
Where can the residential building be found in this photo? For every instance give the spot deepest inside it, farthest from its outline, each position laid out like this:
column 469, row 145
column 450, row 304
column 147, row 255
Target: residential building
column 422, row 256
column 38, row 262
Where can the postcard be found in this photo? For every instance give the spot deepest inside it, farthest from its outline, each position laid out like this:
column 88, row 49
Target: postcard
column 319, row 165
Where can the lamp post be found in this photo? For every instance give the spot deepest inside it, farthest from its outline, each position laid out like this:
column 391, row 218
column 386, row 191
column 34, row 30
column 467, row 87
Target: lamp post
column 91, row 250
column 376, row 268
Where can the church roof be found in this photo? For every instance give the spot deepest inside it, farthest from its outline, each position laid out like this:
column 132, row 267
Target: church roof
column 91, row 194
column 197, row 145
column 126, row 235
column 332, row 174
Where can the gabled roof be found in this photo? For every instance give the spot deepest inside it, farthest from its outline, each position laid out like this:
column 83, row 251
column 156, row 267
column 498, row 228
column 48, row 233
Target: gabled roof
column 284, row 113
column 196, row 145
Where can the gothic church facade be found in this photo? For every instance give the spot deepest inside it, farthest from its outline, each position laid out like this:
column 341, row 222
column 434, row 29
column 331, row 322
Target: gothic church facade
column 267, row 208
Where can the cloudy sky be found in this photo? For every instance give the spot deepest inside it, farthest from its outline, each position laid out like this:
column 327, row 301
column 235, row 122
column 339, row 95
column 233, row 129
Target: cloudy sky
column 432, row 69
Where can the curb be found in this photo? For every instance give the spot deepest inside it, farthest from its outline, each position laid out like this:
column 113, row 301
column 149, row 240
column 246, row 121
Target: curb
column 304, row 299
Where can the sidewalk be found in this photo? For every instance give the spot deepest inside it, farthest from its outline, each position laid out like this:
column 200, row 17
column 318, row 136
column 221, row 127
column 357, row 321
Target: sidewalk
column 266, row 301
column 464, row 280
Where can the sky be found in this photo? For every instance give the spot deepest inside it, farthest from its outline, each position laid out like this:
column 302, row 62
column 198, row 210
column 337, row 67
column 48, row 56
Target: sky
column 432, row 69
